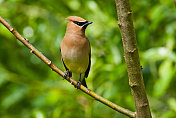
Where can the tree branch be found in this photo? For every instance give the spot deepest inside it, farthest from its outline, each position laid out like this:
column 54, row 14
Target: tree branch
column 61, row 73
column 132, row 59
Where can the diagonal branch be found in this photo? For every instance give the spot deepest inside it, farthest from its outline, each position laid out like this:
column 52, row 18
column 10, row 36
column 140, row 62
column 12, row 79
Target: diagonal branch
column 61, row 73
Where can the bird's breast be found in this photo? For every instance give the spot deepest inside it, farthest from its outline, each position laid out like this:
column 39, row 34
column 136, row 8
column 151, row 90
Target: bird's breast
column 75, row 55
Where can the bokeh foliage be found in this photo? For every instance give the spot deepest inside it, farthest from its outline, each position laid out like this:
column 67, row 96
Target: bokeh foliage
column 28, row 88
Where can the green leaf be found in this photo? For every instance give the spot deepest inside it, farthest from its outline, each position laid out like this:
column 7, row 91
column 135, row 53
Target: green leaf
column 166, row 73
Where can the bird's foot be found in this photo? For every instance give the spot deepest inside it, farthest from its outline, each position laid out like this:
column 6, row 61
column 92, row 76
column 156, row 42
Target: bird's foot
column 78, row 84
column 67, row 74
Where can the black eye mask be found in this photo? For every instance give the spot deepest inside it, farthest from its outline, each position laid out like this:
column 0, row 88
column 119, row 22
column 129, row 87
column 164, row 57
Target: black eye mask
column 80, row 23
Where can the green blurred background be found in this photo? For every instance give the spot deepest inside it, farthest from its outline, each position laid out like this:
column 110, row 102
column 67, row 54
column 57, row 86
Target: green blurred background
column 29, row 89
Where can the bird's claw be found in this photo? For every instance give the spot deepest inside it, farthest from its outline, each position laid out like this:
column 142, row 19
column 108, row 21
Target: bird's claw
column 67, row 74
column 78, row 84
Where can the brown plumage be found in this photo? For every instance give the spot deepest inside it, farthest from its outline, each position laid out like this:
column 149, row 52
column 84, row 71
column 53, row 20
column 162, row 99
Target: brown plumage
column 75, row 49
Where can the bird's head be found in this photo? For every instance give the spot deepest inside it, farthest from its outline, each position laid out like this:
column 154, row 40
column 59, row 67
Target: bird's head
column 78, row 22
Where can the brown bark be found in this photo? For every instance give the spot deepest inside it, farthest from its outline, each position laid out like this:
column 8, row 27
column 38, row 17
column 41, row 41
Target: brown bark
column 132, row 59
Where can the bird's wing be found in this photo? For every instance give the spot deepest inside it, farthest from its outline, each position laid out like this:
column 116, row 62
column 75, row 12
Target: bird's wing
column 83, row 82
column 88, row 69
column 63, row 61
column 70, row 73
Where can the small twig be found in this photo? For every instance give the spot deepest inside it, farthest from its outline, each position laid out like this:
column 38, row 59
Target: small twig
column 61, row 73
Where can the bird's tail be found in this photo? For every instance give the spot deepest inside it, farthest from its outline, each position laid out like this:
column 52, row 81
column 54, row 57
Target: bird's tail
column 83, row 82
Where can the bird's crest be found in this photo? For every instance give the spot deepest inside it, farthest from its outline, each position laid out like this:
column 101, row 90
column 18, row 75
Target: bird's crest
column 75, row 18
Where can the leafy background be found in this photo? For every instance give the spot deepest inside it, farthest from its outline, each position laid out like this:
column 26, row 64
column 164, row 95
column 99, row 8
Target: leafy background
column 28, row 88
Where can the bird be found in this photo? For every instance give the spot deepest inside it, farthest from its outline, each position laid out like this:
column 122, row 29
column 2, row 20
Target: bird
column 75, row 50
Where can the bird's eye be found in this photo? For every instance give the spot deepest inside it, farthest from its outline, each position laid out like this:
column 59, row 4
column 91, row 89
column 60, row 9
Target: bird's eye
column 79, row 23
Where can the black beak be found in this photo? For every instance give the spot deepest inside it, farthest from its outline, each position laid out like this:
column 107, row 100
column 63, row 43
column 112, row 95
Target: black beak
column 89, row 22
column 86, row 24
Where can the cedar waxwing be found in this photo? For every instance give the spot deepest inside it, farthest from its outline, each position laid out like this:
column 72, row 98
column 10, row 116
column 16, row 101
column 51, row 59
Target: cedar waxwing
column 75, row 49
